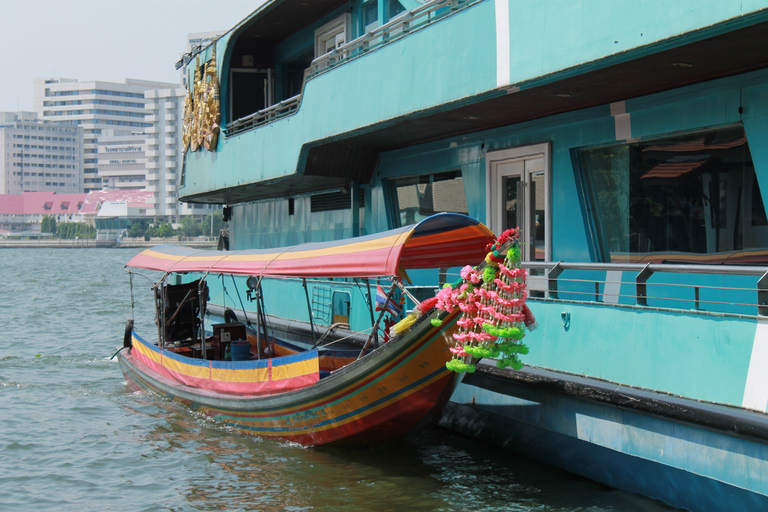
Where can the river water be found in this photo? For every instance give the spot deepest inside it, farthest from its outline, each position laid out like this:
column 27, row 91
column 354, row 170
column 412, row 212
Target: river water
column 73, row 437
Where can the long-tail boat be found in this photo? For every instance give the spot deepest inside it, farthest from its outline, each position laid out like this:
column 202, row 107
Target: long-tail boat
column 327, row 385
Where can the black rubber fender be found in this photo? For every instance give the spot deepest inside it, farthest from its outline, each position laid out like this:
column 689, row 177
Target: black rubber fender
column 128, row 338
column 229, row 316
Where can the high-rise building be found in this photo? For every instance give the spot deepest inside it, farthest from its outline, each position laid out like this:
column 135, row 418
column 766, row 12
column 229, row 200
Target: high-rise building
column 95, row 106
column 38, row 156
column 165, row 108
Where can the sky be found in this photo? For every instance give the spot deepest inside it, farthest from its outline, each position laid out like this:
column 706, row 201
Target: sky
column 106, row 40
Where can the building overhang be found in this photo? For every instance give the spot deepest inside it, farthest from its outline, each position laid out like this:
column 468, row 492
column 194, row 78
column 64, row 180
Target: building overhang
column 727, row 49
column 692, row 59
column 277, row 20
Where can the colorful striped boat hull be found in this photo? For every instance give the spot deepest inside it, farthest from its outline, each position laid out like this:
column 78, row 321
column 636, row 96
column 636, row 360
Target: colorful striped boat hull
column 383, row 395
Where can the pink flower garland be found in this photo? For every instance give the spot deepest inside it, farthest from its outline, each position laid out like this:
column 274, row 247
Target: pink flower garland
column 490, row 302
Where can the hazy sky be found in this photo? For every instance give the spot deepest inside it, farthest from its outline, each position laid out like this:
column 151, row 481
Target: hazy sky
column 105, row 40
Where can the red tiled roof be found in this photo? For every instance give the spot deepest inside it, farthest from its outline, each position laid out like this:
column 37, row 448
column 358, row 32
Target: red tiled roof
column 136, row 198
column 51, row 203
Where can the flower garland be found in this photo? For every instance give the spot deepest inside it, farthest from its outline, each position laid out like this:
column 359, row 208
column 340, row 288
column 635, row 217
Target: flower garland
column 492, row 303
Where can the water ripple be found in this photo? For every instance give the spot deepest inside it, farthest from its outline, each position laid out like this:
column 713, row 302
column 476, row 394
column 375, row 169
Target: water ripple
column 74, row 438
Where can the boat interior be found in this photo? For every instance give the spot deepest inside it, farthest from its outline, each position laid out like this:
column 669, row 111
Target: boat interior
column 182, row 315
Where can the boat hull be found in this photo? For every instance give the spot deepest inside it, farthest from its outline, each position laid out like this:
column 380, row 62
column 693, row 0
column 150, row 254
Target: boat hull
column 384, row 395
column 698, row 456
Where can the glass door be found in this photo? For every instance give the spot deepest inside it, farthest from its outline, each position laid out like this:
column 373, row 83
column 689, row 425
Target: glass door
column 518, row 196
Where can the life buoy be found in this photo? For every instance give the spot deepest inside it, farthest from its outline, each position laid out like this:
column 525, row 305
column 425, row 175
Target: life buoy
column 128, row 338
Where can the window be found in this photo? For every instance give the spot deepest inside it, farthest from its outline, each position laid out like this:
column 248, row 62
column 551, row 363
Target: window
column 331, row 35
column 394, row 7
column 340, row 302
column 341, row 200
column 418, row 197
column 690, row 198
column 370, row 15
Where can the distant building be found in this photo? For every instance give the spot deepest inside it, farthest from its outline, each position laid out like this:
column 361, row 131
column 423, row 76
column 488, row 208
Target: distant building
column 25, row 212
column 122, row 160
column 107, row 210
column 95, row 106
column 163, row 138
column 113, row 211
column 38, row 155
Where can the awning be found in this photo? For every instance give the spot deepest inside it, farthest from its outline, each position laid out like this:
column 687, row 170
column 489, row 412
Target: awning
column 442, row 240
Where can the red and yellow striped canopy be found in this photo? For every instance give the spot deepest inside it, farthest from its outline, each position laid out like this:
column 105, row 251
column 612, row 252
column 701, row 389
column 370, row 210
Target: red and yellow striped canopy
column 442, row 240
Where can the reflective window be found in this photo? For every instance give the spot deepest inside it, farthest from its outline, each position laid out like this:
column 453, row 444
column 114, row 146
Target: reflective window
column 418, row 197
column 689, row 198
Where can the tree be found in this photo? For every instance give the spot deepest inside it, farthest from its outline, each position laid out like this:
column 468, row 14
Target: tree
column 137, row 229
column 189, row 227
column 150, row 232
column 70, row 230
column 48, row 225
column 218, row 223
column 165, row 230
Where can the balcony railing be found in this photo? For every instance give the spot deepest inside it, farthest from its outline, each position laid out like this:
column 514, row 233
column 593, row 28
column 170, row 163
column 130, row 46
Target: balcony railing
column 714, row 288
column 394, row 29
column 265, row 116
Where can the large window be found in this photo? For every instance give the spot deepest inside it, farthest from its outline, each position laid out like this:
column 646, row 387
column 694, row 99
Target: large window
column 689, row 198
column 418, row 197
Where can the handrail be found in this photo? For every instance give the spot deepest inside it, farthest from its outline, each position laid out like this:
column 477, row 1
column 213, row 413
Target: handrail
column 555, row 283
column 264, row 116
column 393, row 29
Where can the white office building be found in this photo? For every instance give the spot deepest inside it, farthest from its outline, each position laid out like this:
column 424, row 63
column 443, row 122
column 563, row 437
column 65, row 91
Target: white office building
column 165, row 108
column 122, row 160
column 95, row 107
column 37, row 156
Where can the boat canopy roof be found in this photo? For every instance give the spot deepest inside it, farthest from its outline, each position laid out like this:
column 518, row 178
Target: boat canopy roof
column 441, row 240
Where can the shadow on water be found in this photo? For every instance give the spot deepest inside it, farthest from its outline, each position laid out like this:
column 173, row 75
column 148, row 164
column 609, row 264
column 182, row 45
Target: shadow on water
column 433, row 470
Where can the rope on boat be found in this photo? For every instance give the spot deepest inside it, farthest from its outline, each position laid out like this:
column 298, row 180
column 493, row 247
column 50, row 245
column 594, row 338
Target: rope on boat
column 346, row 337
column 118, row 351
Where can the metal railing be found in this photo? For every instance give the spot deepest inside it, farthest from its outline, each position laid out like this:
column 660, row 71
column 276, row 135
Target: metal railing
column 698, row 286
column 267, row 115
column 397, row 27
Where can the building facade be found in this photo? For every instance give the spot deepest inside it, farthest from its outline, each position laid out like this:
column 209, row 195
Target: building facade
column 37, row 155
column 94, row 106
column 165, row 108
column 122, row 160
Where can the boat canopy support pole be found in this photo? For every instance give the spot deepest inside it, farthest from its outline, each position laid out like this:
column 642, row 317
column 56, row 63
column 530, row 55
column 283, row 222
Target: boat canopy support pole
column 311, row 317
column 370, row 299
column 375, row 330
column 200, row 290
column 261, row 320
column 133, row 300
column 161, row 324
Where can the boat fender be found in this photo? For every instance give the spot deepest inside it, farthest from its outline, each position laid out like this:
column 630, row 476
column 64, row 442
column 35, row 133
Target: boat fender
column 229, row 316
column 128, row 338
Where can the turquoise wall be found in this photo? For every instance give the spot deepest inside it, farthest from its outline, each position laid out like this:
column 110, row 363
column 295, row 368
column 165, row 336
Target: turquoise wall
column 687, row 109
column 696, row 355
column 453, row 59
